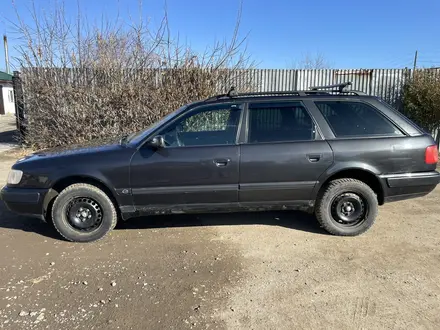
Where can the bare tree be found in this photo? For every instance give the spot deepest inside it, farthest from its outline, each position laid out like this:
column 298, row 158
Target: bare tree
column 311, row 61
column 85, row 81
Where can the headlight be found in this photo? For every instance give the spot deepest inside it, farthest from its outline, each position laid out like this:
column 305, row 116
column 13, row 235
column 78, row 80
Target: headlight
column 15, row 176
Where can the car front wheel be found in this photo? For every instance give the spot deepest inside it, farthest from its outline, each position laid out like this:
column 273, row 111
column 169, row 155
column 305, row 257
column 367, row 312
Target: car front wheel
column 83, row 213
column 347, row 207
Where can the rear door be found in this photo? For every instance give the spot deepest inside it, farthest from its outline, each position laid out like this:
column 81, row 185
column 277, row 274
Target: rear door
column 283, row 154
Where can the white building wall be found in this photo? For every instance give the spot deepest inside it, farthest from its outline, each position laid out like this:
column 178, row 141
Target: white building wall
column 8, row 99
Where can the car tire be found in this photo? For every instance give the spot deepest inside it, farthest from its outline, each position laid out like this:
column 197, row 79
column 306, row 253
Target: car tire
column 347, row 207
column 83, row 213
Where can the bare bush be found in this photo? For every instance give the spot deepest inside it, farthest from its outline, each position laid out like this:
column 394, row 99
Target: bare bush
column 312, row 62
column 84, row 82
column 421, row 99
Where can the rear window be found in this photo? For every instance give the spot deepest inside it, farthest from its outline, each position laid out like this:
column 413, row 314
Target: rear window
column 348, row 119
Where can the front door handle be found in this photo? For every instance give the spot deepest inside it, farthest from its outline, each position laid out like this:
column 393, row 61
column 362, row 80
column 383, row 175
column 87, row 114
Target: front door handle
column 221, row 162
column 313, row 158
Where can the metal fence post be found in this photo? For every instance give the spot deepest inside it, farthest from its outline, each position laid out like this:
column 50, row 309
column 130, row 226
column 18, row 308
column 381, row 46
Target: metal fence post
column 19, row 105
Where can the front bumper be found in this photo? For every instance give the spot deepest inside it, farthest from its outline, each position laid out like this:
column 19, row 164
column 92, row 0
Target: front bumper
column 409, row 185
column 24, row 201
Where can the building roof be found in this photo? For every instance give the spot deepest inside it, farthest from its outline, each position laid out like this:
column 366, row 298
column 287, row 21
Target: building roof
column 5, row 76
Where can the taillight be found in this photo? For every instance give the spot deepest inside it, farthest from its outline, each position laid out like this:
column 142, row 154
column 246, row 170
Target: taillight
column 431, row 155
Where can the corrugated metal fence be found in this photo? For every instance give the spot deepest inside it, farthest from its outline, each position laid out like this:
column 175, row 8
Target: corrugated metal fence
column 385, row 83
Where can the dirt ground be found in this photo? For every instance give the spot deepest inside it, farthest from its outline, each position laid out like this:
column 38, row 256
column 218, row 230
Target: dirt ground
column 274, row 270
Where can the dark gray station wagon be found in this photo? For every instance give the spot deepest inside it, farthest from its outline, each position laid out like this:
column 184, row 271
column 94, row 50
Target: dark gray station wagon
column 333, row 152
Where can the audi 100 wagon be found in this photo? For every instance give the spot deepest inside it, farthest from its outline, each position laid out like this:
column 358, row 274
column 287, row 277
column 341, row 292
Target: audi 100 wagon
column 337, row 153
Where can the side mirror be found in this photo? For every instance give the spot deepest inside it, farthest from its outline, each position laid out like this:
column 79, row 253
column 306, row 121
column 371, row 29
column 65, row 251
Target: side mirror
column 157, row 142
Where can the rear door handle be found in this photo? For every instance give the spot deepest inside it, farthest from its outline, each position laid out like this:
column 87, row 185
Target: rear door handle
column 313, row 158
column 221, row 162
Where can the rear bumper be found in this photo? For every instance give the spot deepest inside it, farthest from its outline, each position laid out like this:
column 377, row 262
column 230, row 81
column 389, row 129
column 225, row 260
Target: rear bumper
column 24, row 201
column 409, row 185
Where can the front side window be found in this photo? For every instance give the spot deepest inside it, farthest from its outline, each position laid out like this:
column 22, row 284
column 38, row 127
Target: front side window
column 279, row 123
column 349, row 119
column 216, row 125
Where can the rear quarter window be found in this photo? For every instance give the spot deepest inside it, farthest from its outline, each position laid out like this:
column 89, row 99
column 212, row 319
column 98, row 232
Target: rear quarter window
column 351, row 119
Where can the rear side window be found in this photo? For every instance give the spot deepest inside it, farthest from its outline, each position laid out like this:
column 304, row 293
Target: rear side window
column 279, row 123
column 347, row 118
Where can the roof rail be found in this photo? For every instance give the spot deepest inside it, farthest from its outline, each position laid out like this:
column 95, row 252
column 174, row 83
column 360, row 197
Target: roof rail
column 340, row 87
column 230, row 94
column 317, row 90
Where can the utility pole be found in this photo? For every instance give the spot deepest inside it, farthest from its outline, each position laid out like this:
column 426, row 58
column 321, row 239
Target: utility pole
column 415, row 60
column 5, row 42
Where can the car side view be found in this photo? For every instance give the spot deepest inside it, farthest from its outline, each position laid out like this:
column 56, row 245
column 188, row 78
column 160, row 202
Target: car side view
column 327, row 150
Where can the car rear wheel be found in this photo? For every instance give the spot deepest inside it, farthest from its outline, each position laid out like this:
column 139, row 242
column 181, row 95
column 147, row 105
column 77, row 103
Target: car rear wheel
column 83, row 213
column 347, row 207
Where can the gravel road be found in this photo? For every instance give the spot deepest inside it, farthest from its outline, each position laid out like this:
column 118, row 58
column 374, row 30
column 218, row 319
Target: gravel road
column 275, row 270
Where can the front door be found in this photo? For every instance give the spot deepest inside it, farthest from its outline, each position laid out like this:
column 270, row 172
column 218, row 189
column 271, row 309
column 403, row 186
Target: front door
column 197, row 169
column 283, row 157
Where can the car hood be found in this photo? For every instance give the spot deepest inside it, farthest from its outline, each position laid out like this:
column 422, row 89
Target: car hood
column 92, row 147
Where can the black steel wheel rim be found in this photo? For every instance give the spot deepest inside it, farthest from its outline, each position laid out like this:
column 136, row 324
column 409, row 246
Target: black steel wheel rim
column 348, row 209
column 84, row 214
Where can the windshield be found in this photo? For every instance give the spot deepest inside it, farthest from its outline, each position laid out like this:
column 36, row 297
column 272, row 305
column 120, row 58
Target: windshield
column 137, row 137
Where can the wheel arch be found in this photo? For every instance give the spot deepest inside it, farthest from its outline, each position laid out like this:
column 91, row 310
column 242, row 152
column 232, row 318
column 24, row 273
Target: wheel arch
column 365, row 175
column 64, row 182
